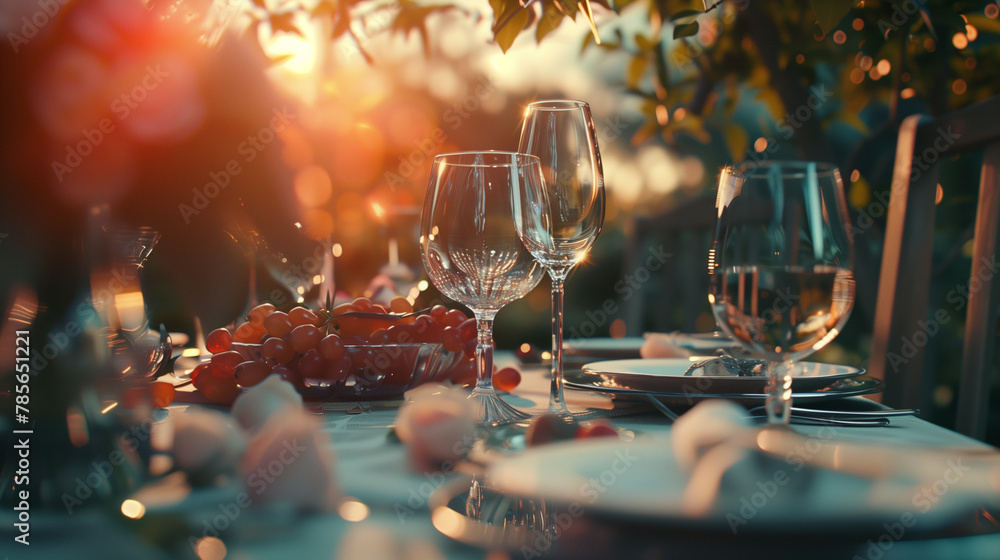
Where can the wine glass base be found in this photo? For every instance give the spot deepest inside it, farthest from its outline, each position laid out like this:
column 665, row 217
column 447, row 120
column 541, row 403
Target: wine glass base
column 494, row 411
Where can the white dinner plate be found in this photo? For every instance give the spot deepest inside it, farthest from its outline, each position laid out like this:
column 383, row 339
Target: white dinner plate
column 666, row 376
column 641, row 482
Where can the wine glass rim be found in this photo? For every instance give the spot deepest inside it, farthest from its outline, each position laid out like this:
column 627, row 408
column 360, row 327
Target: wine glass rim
column 789, row 168
column 498, row 159
column 559, row 104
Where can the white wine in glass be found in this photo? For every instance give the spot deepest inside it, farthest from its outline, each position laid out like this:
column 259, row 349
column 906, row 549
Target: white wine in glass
column 781, row 281
column 472, row 252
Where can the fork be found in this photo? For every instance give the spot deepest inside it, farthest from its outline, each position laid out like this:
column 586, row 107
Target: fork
column 809, row 417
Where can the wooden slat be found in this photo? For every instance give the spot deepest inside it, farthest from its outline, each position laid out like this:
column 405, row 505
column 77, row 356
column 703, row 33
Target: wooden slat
column 904, row 281
column 981, row 318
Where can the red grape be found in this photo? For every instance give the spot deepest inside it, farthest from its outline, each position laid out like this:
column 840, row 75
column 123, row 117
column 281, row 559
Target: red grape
column 219, row 340
column 199, row 369
column 258, row 313
column 218, row 387
column 337, row 370
column 438, row 312
column 596, row 429
column 161, row 394
column 400, row 304
column 247, row 332
column 249, row 374
column 549, row 427
column 451, row 340
column 278, row 350
column 454, row 318
column 364, row 304
column 506, row 379
column 224, row 363
column 468, row 329
column 312, row 365
column 302, row 316
column 332, row 347
column 304, row 337
column 278, row 324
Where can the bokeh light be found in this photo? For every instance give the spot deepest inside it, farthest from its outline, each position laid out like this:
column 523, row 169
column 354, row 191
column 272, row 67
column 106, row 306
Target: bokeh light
column 313, row 186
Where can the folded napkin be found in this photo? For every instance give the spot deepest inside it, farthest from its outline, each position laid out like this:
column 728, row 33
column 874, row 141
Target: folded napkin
column 681, row 345
column 738, row 470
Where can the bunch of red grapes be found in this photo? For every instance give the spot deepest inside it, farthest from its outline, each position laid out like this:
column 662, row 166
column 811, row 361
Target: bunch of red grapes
column 359, row 342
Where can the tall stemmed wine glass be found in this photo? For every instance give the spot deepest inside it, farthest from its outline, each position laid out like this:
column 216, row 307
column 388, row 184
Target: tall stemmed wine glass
column 562, row 220
column 781, row 262
column 472, row 252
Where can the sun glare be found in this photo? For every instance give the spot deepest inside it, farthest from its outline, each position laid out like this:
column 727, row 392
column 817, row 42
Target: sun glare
column 299, row 54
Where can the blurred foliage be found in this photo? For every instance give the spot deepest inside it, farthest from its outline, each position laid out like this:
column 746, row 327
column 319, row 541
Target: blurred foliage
column 694, row 66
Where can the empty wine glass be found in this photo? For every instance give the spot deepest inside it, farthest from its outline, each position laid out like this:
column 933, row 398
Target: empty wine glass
column 472, row 252
column 563, row 218
column 780, row 266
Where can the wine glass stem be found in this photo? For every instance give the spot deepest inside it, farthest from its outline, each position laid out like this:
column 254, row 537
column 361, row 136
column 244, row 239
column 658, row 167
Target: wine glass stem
column 779, row 392
column 557, row 402
column 484, row 354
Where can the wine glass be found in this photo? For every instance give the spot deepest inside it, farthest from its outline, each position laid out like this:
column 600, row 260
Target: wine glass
column 473, row 254
column 780, row 266
column 563, row 219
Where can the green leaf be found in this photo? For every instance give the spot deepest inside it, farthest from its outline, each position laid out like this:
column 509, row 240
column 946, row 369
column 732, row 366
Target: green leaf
column 830, row 12
column 636, row 68
column 686, row 14
column 551, row 19
column 685, row 30
column 505, row 31
column 568, row 7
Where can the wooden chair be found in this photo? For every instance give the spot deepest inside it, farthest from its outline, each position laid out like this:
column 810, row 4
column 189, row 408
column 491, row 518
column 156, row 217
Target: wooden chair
column 903, row 326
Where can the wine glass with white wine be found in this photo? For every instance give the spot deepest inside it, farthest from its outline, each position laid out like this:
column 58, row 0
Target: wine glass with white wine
column 781, row 265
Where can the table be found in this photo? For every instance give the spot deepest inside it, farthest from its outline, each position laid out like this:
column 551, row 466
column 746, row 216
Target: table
column 372, row 468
